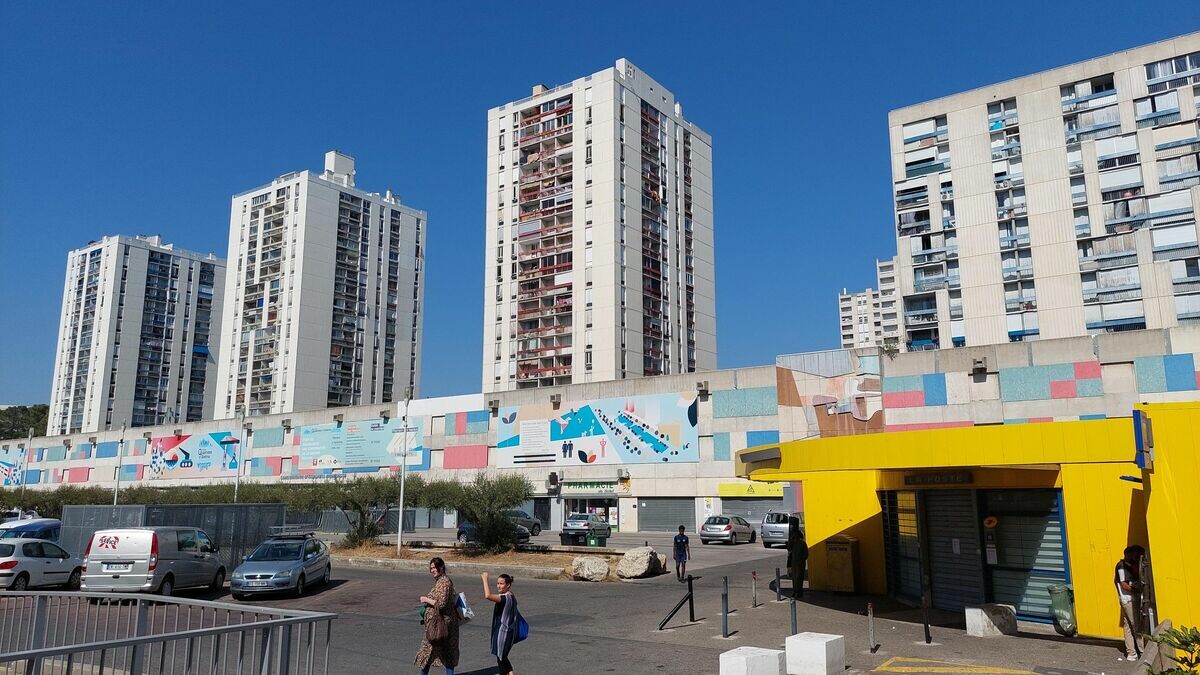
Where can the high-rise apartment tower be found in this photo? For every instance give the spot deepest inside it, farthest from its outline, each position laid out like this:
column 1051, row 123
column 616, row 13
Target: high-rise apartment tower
column 1054, row 205
column 870, row 318
column 599, row 259
column 138, row 329
column 323, row 298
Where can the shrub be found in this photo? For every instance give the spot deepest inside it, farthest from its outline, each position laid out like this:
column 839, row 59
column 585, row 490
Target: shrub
column 483, row 502
column 1186, row 643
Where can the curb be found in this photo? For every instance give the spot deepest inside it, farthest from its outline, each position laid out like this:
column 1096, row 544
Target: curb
column 552, row 573
column 532, row 548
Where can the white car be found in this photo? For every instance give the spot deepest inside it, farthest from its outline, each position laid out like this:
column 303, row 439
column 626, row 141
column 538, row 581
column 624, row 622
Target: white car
column 34, row 563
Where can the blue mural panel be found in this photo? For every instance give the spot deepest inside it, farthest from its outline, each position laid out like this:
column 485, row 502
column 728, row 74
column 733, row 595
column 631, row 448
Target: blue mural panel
column 107, row 449
column 754, row 438
column 366, row 444
column 1151, row 374
column 1180, row 372
column 721, row 452
column 271, row 437
column 934, row 386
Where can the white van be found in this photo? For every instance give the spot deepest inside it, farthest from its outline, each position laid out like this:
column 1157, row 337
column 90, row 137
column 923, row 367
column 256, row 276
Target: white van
column 151, row 560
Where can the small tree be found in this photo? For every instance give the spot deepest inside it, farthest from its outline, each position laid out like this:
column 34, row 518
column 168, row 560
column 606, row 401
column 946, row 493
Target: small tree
column 484, row 502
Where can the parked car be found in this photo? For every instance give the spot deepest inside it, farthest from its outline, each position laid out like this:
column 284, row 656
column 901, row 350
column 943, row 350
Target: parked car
column 284, row 563
column 15, row 517
column 466, row 533
column 774, row 529
column 33, row 563
column 528, row 522
column 38, row 528
column 151, row 560
column 729, row 529
column 586, row 523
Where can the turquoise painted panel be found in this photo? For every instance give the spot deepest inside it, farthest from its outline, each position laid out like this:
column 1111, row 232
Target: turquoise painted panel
column 107, row 449
column 934, row 386
column 868, row 365
column 755, row 402
column 902, row 383
column 129, row 471
column 1059, row 371
column 721, row 451
column 271, row 437
column 56, row 454
column 1151, row 374
column 1100, row 416
column 1026, row 384
column 1092, row 387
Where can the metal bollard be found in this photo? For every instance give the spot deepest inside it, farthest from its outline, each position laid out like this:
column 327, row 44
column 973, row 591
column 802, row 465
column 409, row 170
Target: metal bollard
column 724, row 607
column 691, row 603
column 794, row 629
column 778, row 586
column 871, row 645
column 753, row 589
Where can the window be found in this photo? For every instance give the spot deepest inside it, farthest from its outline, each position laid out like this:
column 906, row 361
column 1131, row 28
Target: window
column 1155, row 110
column 187, row 540
column 1173, row 72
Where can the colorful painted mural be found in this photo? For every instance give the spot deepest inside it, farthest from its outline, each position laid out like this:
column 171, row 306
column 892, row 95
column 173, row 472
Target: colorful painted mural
column 192, row 456
column 633, row 430
column 835, row 393
column 470, row 422
column 369, row 444
column 1172, row 372
column 12, row 465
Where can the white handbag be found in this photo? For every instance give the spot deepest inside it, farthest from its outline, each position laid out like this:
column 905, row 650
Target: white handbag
column 465, row 613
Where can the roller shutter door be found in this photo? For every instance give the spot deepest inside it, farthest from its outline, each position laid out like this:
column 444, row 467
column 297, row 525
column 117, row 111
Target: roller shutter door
column 666, row 514
column 752, row 510
column 955, row 556
column 1030, row 549
column 901, row 546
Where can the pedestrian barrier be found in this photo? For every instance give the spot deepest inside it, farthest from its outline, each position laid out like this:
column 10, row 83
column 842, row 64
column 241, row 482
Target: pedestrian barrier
column 724, row 607
column 48, row 633
column 687, row 597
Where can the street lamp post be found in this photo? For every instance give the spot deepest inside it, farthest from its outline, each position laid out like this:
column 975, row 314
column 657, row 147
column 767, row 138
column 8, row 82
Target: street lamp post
column 239, row 456
column 25, row 461
column 403, row 467
column 120, row 456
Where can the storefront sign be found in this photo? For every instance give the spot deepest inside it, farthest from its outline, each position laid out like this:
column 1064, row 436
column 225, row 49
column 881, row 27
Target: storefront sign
column 750, row 489
column 589, row 487
column 945, row 478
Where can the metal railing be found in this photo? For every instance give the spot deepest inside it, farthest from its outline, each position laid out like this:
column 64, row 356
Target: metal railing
column 96, row 633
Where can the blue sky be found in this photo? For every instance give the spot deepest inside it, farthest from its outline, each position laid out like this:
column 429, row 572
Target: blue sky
column 146, row 117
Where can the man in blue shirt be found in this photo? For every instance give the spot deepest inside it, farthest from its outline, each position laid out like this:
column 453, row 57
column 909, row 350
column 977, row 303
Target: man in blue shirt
column 683, row 551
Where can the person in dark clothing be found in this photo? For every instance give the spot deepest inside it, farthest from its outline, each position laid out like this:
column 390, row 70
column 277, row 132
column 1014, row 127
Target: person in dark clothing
column 504, row 620
column 797, row 559
column 1127, row 577
column 683, row 551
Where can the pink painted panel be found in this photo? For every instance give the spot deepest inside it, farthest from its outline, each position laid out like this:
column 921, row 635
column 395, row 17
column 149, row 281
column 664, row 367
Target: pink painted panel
column 1087, row 370
column 1062, row 389
column 1031, row 420
column 929, row 425
column 904, row 399
column 79, row 474
column 465, row 457
column 276, row 465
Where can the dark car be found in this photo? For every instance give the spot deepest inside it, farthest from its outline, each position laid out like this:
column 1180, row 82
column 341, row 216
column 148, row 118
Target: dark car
column 528, row 522
column 41, row 528
column 578, row 524
column 466, row 533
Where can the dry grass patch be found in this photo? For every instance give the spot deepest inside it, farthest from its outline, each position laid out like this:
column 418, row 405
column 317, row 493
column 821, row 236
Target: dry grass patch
column 451, row 555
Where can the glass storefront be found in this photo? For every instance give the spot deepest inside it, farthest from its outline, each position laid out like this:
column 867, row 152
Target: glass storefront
column 604, row 507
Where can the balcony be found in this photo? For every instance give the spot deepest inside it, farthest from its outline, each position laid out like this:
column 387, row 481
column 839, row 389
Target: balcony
column 1014, row 241
column 1112, row 294
column 1003, row 182
column 1017, row 273
column 926, row 284
column 1023, row 304
column 922, row 345
column 1089, row 101
column 1009, row 212
column 918, row 317
column 926, row 169
column 934, row 255
column 1158, row 118
column 1005, row 151
column 906, row 201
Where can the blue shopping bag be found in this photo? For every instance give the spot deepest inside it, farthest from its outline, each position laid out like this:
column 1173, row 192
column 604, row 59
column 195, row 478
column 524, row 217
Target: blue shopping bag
column 522, row 628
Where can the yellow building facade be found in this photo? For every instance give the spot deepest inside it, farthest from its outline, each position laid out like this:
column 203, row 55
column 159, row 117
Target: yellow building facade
column 998, row 513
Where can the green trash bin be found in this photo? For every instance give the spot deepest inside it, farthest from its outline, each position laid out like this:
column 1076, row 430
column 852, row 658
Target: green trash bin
column 597, row 542
column 1062, row 606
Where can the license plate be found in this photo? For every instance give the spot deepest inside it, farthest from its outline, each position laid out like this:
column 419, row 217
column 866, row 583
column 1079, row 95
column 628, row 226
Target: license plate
column 115, row 567
column 256, row 584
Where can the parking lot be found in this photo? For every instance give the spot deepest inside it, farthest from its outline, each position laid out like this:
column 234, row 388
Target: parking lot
column 611, row 627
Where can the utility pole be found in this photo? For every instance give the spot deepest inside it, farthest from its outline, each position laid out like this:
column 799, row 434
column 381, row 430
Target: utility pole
column 120, row 456
column 24, row 463
column 408, row 391
column 238, row 457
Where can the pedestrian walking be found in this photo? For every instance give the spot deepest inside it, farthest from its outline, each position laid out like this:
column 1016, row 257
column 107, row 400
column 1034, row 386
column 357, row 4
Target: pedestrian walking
column 504, row 620
column 439, row 644
column 1127, row 577
column 797, row 558
column 683, row 551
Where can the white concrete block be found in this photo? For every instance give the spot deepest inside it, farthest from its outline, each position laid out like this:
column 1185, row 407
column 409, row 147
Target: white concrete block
column 991, row 620
column 815, row 654
column 752, row 661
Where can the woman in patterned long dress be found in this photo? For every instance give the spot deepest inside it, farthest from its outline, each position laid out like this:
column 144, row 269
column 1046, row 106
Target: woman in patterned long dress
column 443, row 600
column 504, row 620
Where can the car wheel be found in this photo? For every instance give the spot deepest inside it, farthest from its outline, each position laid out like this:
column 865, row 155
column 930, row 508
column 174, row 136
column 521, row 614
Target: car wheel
column 218, row 581
column 300, row 586
column 462, row 537
column 167, row 587
column 733, row 540
column 766, row 545
column 328, row 574
column 21, row 583
column 238, row 596
column 535, row 530
column 706, row 542
column 73, row 580
column 753, row 537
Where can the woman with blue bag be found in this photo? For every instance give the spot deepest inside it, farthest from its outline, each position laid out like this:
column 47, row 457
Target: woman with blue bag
column 508, row 626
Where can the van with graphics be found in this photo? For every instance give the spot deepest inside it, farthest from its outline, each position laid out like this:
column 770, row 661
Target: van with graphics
column 151, row 560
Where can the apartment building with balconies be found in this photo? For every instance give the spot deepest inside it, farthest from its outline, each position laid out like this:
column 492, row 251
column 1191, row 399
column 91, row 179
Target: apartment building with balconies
column 323, row 301
column 1053, row 205
column 599, row 231
column 136, row 336
column 871, row 318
